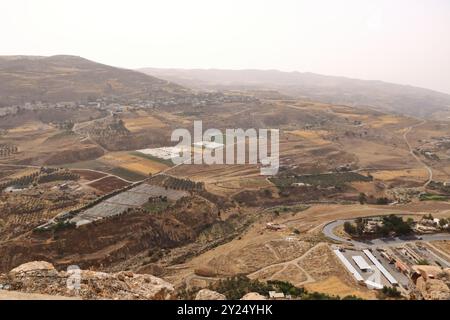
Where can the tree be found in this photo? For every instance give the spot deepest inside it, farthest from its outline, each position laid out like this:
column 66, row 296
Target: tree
column 349, row 228
column 443, row 222
column 382, row 201
column 360, row 226
column 267, row 193
column 391, row 292
column 362, row 198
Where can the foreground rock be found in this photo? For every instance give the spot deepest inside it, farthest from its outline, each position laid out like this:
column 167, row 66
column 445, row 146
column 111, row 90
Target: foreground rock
column 41, row 277
column 433, row 283
column 16, row 295
column 253, row 296
column 206, row 294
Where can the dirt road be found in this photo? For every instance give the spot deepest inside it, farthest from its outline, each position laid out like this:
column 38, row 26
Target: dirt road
column 418, row 159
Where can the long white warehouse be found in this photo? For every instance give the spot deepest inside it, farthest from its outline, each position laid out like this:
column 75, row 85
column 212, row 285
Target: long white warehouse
column 380, row 267
column 348, row 265
column 361, row 263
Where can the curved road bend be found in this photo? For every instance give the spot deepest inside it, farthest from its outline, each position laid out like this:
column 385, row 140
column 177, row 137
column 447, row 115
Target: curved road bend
column 380, row 242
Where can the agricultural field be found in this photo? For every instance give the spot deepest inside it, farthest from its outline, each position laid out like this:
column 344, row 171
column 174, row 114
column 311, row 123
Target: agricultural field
column 108, row 184
column 323, row 180
column 315, row 137
column 121, row 202
column 389, row 175
column 142, row 122
column 134, row 163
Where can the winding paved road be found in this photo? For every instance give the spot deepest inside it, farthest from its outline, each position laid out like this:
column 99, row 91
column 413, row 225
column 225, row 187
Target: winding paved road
column 380, row 242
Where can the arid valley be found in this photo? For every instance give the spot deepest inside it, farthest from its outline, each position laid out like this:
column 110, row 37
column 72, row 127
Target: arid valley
column 85, row 181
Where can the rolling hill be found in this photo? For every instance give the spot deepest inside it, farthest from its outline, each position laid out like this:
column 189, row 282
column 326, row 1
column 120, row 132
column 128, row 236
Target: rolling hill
column 380, row 95
column 70, row 78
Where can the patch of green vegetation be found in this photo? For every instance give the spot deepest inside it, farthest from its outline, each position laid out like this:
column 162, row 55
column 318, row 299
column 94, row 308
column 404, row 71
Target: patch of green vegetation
column 390, row 292
column 156, row 206
column 389, row 225
column 433, row 197
column 168, row 163
column 288, row 209
column 423, row 262
column 60, row 225
column 88, row 164
column 127, row 174
column 191, row 113
column 323, row 179
column 61, row 135
column 236, row 287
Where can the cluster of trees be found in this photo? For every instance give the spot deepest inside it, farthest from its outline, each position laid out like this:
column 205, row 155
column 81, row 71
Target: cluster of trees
column 390, row 292
column 396, row 225
column 42, row 176
column 22, row 181
column 356, row 229
column 25, row 206
column 183, row 184
column 58, row 176
column 66, row 125
column 116, row 128
column 380, row 201
column 158, row 199
column 389, row 225
column 8, row 149
column 236, row 287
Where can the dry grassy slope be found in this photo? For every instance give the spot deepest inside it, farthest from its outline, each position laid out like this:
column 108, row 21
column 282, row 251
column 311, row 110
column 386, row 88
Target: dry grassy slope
column 68, row 78
column 109, row 242
column 337, row 90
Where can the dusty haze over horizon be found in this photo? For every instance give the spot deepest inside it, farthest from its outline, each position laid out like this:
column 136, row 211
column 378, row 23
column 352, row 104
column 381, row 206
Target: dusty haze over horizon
column 402, row 41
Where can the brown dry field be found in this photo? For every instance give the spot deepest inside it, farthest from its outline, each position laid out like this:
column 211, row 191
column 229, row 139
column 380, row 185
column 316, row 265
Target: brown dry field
column 386, row 120
column 135, row 124
column 442, row 245
column 223, row 179
column 28, row 127
column 419, row 174
column 108, row 184
column 312, row 137
column 378, row 155
column 88, row 175
column 133, row 163
column 333, row 285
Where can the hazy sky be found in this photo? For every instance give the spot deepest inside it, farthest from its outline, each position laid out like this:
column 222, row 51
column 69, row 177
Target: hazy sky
column 402, row 41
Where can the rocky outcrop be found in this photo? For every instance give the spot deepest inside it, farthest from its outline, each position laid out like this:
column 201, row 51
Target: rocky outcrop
column 433, row 289
column 253, row 296
column 206, row 294
column 34, row 266
column 41, row 277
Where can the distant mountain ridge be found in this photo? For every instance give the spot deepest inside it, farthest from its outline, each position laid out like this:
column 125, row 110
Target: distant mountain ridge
column 384, row 96
column 70, row 78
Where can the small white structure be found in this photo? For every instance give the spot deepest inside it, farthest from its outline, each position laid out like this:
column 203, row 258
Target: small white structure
column 165, row 153
column 276, row 295
column 348, row 265
column 373, row 285
column 361, row 263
